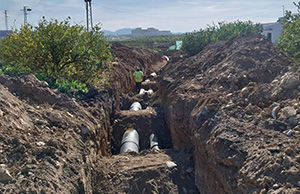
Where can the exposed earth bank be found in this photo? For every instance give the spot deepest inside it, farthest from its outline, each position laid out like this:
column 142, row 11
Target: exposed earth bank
column 227, row 118
column 238, row 101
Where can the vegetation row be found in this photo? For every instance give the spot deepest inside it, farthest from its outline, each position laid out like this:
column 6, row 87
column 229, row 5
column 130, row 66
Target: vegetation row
column 72, row 59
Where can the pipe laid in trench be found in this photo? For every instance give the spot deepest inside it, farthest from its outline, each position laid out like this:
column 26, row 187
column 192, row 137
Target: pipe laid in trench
column 135, row 106
column 143, row 91
column 130, row 141
column 153, row 142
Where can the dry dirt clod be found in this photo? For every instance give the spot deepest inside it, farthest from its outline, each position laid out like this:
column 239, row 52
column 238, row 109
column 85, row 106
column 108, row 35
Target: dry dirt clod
column 55, row 117
column 289, row 112
column 289, row 81
column 85, row 129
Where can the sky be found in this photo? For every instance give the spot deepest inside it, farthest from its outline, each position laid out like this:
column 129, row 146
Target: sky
column 173, row 15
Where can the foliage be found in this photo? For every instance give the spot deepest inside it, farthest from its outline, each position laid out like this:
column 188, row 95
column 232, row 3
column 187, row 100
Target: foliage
column 73, row 87
column 289, row 40
column 57, row 52
column 194, row 42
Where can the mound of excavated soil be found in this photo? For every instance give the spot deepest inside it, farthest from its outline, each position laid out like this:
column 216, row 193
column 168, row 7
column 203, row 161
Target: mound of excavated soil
column 150, row 171
column 238, row 101
column 48, row 141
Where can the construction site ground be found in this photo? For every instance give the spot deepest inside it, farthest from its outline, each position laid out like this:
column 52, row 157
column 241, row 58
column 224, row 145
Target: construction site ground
column 227, row 121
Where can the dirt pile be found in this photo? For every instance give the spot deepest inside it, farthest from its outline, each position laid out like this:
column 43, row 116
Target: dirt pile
column 48, row 140
column 150, row 171
column 238, row 101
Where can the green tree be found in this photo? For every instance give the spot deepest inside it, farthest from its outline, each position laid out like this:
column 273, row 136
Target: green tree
column 194, row 42
column 289, row 40
column 56, row 51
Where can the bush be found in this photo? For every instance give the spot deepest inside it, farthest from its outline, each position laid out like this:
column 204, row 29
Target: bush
column 57, row 53
column 289, row 40
column 73, row 88
column 194, row 42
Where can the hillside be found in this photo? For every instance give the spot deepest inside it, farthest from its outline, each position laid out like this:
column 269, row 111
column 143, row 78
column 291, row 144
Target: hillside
column 123, row 31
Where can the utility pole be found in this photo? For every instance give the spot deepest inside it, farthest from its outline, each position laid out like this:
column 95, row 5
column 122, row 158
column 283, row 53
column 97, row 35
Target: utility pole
column 283, row 10
column 89, row 19
column 25, row 9
column 6, row 21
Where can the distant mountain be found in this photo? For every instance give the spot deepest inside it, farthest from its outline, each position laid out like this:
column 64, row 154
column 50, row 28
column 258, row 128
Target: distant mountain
column 123, row 31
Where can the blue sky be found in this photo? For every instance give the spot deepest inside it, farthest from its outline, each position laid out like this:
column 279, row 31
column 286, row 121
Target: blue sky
column 174, row 15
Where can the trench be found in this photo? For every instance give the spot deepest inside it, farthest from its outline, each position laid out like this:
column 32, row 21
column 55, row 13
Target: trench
column 149, row 121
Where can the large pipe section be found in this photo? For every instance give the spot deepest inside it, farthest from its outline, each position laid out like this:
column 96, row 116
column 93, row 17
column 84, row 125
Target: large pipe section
column 130, row 141
column 135, row 106
column 143, row 91
column 153, row 142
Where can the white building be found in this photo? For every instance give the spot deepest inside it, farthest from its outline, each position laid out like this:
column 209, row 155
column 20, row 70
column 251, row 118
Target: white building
column 273, row 30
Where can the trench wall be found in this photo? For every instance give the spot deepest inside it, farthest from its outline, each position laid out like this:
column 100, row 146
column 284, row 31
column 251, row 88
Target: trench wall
column 217, row 104
column 192, row 121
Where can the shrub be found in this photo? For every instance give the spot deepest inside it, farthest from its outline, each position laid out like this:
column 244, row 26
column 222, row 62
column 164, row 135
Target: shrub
column 57, row 52
column 289, row 40
column 194, row 42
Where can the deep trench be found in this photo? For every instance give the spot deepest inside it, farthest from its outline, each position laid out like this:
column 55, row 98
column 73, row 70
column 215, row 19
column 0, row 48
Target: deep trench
column 149, row 120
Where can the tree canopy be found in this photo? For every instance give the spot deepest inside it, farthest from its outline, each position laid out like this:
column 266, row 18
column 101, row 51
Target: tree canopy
column 194, row 42
column 56, row 52
column 289, row 40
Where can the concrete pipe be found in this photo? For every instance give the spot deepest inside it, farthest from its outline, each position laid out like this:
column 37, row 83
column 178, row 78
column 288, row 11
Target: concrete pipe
column 142, row 91
column 130, row 141
column 135, row 106
column 153, row 142
column 150, row 91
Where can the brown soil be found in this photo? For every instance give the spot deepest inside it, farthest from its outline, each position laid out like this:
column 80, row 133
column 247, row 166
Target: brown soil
column 145, row 172
column 215, row 115
column 222, row 99
column 51, row 143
